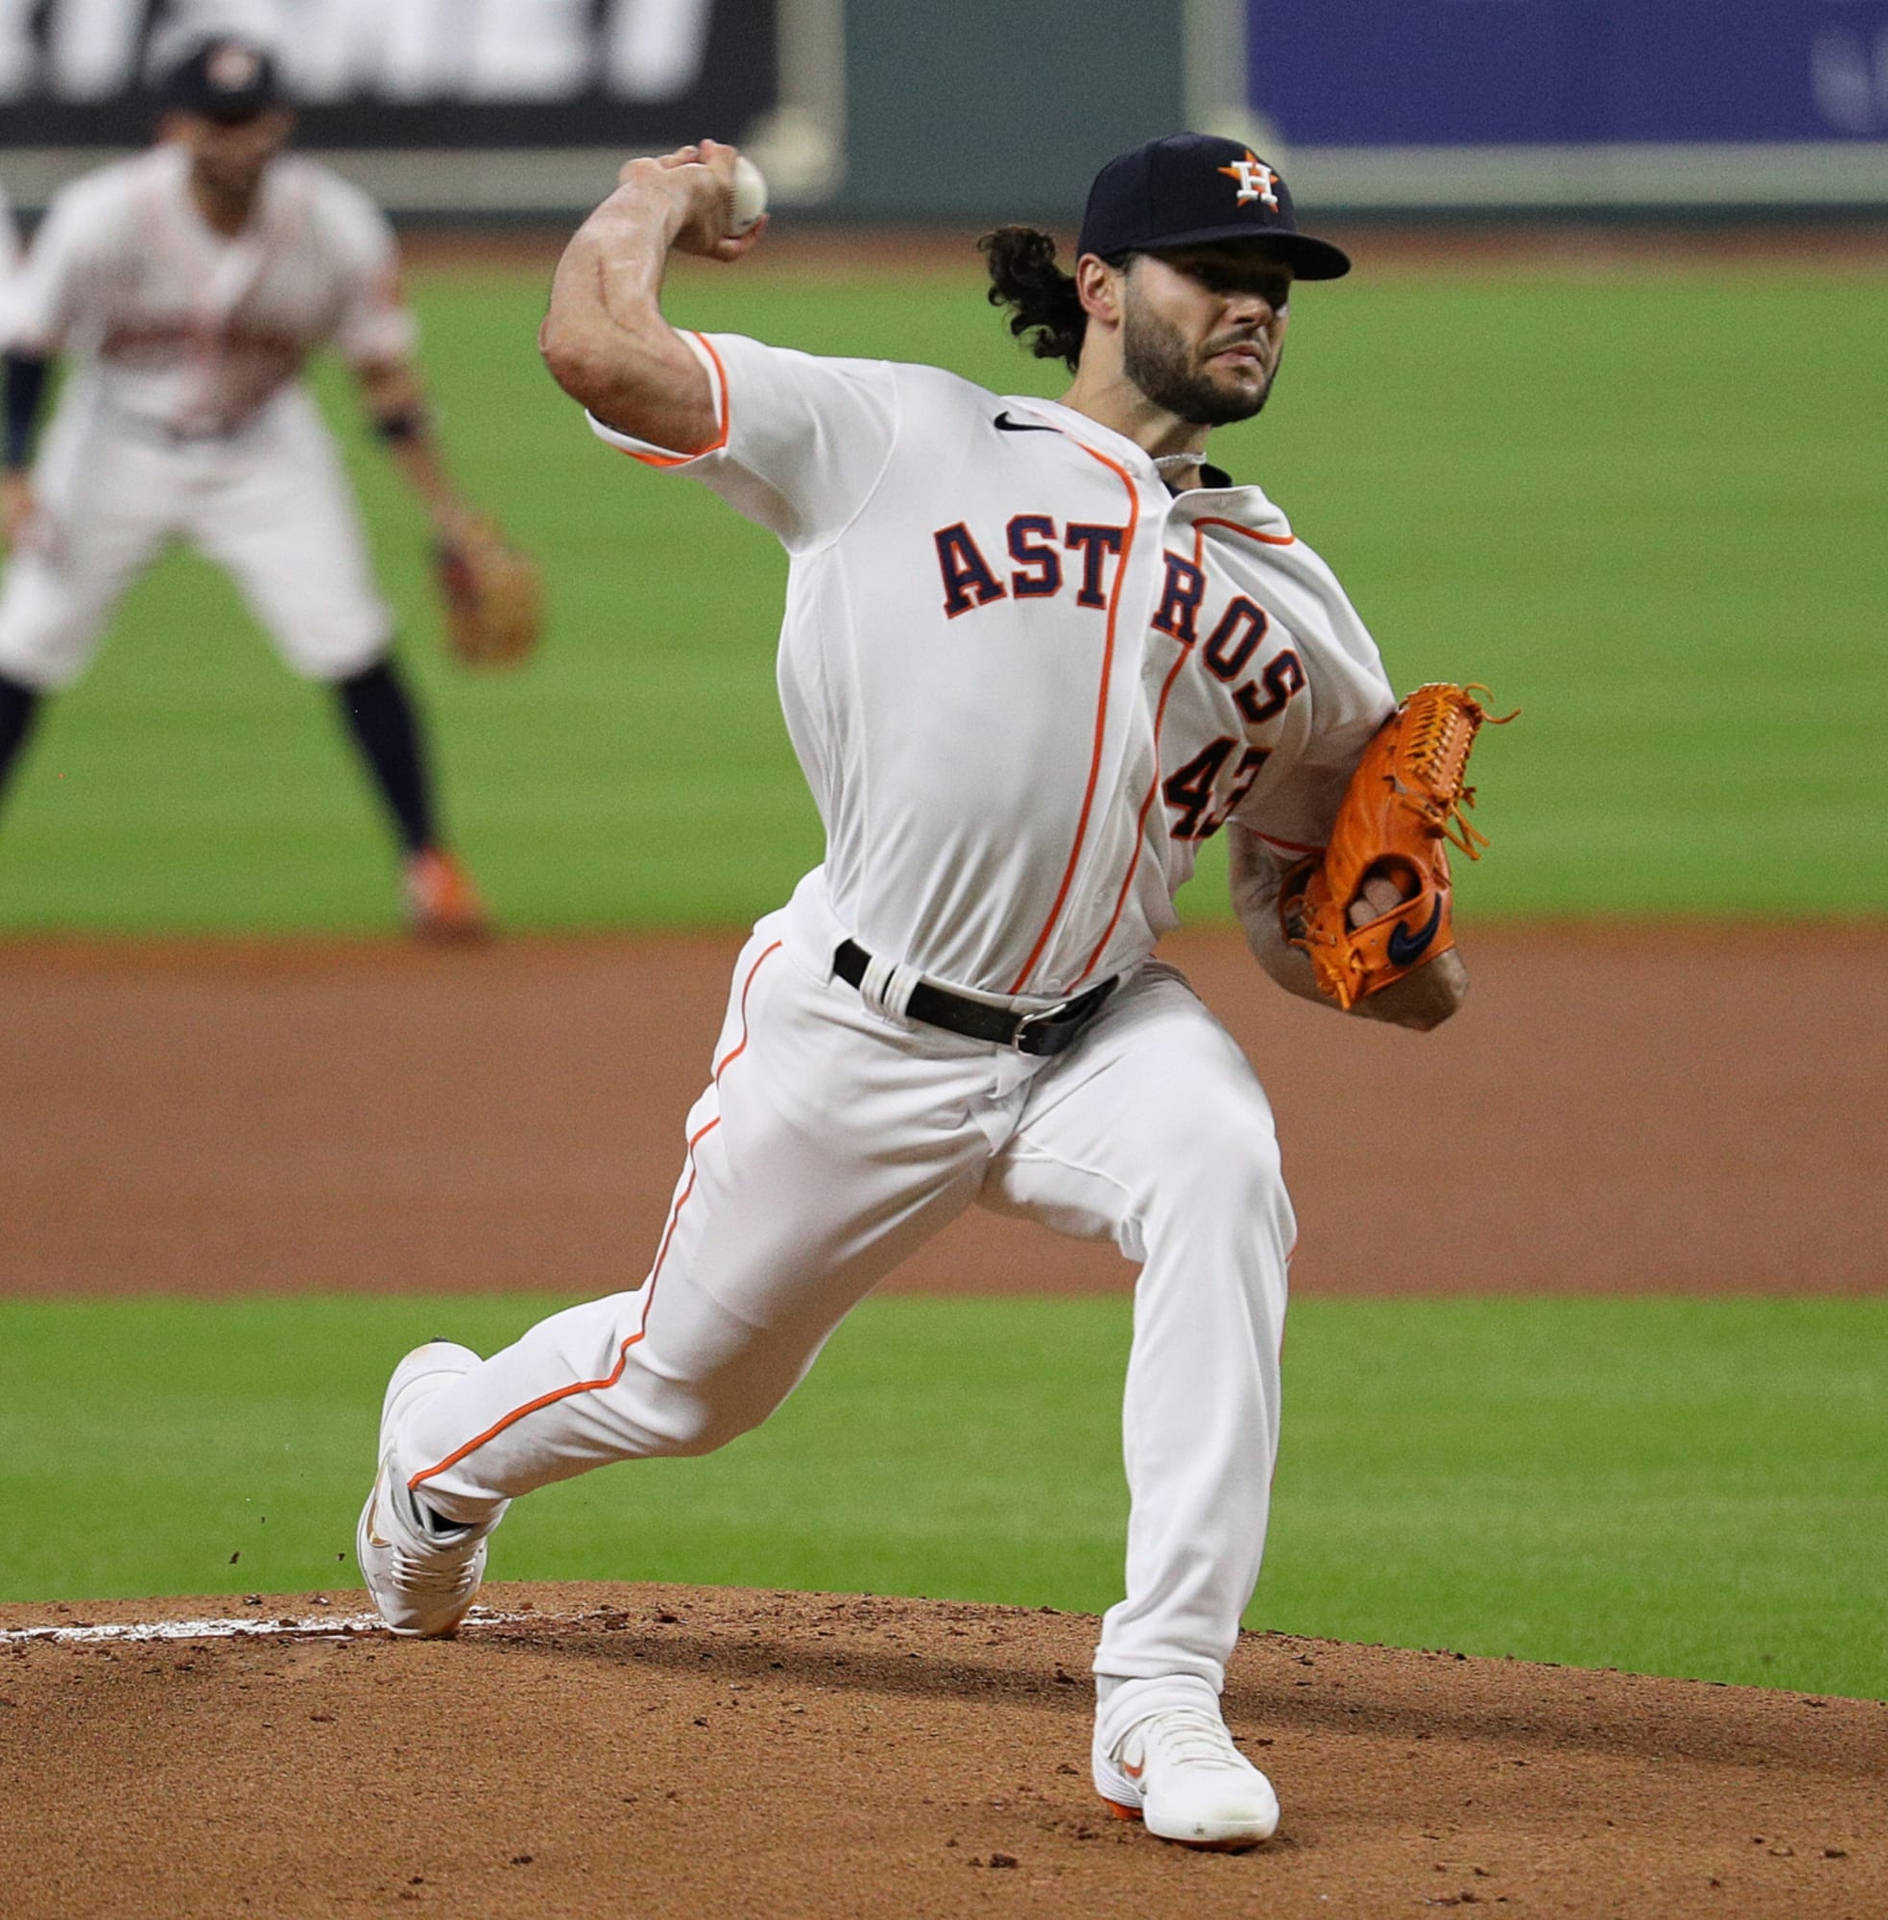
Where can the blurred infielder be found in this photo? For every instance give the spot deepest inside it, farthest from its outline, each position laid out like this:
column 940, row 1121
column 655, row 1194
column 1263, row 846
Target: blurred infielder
column 1033, row 655
column 190, row 284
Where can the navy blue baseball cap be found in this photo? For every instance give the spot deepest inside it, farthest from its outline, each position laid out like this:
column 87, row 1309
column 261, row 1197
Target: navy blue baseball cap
column 227, row 79
column 1191, row 188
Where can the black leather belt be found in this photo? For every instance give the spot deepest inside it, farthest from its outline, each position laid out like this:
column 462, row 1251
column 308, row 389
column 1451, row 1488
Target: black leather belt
column 1052, row 1030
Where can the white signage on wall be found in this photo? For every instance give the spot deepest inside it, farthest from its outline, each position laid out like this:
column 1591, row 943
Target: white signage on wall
column 393, row 50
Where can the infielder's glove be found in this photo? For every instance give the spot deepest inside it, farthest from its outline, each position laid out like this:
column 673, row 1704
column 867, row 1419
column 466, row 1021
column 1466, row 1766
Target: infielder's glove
column 1405, row 799
column 494, row 596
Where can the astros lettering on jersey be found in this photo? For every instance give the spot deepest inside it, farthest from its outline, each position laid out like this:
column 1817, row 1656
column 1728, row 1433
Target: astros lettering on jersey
column 958, row 554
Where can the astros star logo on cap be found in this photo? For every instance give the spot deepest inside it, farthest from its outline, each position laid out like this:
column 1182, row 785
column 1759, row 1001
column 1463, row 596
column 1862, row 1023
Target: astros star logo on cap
column 1256, row 180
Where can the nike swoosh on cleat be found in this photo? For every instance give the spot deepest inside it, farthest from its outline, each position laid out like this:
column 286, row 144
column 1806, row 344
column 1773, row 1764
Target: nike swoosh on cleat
column 1406, row 946
column 1005, row 424
column 1133, row 1773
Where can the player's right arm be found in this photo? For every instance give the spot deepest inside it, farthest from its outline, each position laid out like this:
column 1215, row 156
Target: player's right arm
column 604, row 338
column 41, row 307
column 23, row 384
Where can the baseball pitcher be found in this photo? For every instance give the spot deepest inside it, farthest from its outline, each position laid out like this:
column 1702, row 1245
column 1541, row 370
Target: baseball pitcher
column 1034, row 654
column 189, row 284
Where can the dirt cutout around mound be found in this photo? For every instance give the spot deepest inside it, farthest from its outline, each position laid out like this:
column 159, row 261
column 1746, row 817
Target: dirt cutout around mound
column 675, row 1753
column 1686, row 1109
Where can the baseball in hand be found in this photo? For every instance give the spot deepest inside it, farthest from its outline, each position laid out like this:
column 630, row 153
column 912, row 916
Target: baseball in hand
column 747, row 196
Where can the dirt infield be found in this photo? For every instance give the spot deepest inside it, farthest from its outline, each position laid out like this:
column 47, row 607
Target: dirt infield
column 1687, row 1109
column 1690, row 1109
column 682, row 1753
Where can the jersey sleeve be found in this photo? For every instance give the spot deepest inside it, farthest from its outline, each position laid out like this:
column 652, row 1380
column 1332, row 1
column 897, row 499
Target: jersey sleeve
column 801, row 441
column 54, row 286
column 1350, row 698
column 375, row 322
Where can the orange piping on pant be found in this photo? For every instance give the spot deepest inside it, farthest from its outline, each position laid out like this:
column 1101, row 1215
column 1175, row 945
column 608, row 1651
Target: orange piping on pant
column 649, row 1286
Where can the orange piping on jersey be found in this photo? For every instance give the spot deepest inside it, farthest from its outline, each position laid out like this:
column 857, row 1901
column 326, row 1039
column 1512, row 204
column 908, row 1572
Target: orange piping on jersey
column 1140, row 824
column 721, row 420
column 649, row 1286
column 1160, row 712
column 1251, row 533
column 1101, row 712
column 1271, row 540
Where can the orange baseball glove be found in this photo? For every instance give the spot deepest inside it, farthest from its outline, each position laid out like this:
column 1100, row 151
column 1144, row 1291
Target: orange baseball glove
column 1405, row 799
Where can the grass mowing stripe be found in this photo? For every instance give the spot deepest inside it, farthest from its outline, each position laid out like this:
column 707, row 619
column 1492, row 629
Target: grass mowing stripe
column 1682, row 1487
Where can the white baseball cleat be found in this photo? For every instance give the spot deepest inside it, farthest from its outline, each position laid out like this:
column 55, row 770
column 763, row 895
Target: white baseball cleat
column 1179, row 1773
column 422, row 1574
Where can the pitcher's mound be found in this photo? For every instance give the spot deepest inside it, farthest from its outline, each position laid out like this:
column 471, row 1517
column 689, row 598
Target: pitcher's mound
column 676, row 1753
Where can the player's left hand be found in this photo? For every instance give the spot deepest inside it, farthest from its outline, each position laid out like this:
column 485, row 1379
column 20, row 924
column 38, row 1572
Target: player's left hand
column 1423, row 998
column 1375, row 907
column 1378, row 895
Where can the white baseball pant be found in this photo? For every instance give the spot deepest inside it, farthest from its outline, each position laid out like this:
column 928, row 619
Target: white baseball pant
column 830, row 1143
column 270, row 503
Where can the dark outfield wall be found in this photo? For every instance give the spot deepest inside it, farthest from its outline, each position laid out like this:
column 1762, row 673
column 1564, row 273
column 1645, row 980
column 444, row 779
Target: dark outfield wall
column 1001, row 107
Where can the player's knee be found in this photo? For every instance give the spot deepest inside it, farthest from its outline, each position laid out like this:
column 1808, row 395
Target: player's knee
column 1234, row 1139
column 1229, row 1177
column 685, row 1420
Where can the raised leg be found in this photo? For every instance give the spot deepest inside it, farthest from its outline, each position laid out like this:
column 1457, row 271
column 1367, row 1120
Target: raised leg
column 816, row 1160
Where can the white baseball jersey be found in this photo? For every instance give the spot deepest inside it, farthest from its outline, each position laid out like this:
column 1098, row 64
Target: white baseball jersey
column 1023, row 679
column 192, row 331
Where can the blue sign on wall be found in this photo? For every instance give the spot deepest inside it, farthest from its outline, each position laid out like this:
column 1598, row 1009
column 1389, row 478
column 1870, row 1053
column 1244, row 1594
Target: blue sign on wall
column 1463, row 73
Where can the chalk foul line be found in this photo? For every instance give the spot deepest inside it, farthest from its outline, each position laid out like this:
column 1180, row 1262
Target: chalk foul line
column 330, row 1626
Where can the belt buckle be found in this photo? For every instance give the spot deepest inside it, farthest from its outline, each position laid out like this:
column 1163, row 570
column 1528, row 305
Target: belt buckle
column 1027, row 1023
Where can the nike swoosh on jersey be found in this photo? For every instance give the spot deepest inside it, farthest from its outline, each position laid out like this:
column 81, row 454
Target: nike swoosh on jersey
column 1406, row 946
column 1004, row 424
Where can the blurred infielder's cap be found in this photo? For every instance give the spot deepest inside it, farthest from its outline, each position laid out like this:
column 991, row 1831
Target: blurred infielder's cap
column 1191, row 188
column 225, row 79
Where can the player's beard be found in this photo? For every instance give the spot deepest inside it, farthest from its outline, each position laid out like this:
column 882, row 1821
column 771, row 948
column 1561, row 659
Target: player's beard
column 1155, row 358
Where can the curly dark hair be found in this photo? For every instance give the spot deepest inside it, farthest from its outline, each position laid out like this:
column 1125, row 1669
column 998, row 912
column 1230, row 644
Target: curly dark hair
column 1025, row 277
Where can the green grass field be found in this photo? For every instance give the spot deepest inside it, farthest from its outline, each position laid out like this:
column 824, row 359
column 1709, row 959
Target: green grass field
column 1645, row 507
column 1679, row 1487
